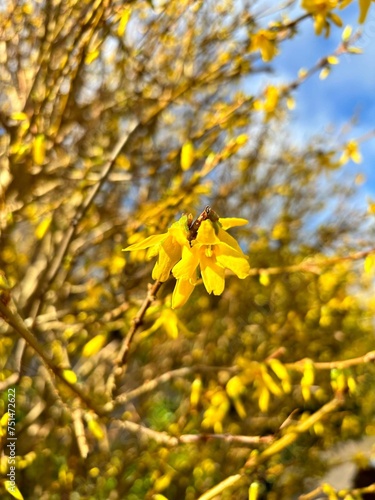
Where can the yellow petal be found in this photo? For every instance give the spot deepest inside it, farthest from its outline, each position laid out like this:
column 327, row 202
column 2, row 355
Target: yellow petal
column 169, row 255
column 70, row 376
column 364, row 6
column 206, row 234
column 148, row 242
column 181, row 293
column 94, row 345
column 96, row 429
column 226, row 238
column 124, row 19
column 212, row 274
column 227, row 222
column 347, row 33
column 39, row 149
column 233, row 260
column 178, row 231
column 186, row 268
column 187, row 155
column 13, row 490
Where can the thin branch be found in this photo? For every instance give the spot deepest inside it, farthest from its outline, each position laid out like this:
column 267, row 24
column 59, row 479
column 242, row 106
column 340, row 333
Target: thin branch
column 150, row 385
column 120, row 361
column 369, row 357
column 79, row 431
column 228, row 438
column 255, row 460
column 320, row 489
column 70, row 233
column 18, row 324
column 312, row 266
column 171, row 441
column 16, row 355
column 299, row 365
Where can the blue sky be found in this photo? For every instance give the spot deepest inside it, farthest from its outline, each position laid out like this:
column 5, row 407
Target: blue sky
column 348, row 91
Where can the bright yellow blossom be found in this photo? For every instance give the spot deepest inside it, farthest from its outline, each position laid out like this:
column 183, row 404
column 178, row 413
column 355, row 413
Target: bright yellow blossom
column 212, row 251
column 265, row 42
column 321, row 11
column 167, row 246
column 351, row 152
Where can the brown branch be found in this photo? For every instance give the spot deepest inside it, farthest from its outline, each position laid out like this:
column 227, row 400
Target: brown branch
column 369, row 357
column 17, row 355
column 79, row 431
column 311, row 266
column 15, row 321
column 256, row 460
column 168, row 440
column 228, row 438
column 150, row 385
column 299, row 365
column 70, row 233
column 356, row 491
column 121, row 359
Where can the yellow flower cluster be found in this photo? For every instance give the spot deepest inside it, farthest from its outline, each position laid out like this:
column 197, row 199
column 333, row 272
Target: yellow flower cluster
column 321, row 10
column 210, row 253
column 265, row 42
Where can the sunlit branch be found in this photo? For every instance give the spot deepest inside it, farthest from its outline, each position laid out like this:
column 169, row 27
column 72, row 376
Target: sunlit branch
column 71, row 231
column 353, row 492
column 255, row 460
column 121, row 359
column 330, row 365
column 166, row 377
column 172, row 441
column 17, row 323
column 312, row 266
column 79, row 431
column 17, row 355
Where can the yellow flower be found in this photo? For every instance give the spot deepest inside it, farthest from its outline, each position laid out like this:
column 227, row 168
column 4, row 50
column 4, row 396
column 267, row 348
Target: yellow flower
column 321, row 11
column 213, row 251
column 167, row 246
column 271, row 100
column 265, row 42
column 351, row 152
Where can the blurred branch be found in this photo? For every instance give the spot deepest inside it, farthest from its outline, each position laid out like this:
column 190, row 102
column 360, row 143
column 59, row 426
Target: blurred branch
column 79, row 431
column 70, row 233
column 330, row 365
column 299, row 365
column 168, row 440
column 166, row 377
column 228, row 438
column 355, row 492
column 255, row 460
column 16, row 359
column 312, row 266
column 15, row 320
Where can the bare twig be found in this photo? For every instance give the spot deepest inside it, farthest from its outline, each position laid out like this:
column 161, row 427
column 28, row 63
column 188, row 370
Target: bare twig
column 312, row 266
column 79, row 431
column 15, row 320
column 70, row 233
column 255, row 460
column 369, row 357
column 320, row 489
column 150, row 385
column 228, row 438
column 168, row 440
column 120, row 361
column 16, row 366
